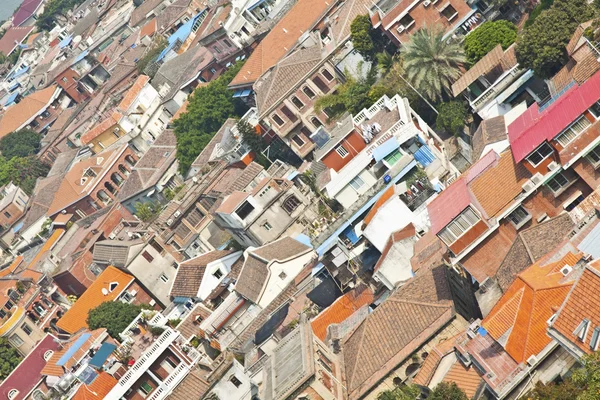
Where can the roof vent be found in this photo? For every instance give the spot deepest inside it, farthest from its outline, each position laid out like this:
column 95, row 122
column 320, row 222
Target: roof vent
column 105, row 291
column 566, row 270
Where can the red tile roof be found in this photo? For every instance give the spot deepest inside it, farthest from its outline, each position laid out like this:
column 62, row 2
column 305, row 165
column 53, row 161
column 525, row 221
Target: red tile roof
column 341, row 309
column 533, row 127
column 13, row 37
column 35, row 103
column 388, row 194
column 28, row 7
column 133, row 92
column 102, row 127
column 98, row 389
column 467, row 379
column 27, row 375
column 519, row 320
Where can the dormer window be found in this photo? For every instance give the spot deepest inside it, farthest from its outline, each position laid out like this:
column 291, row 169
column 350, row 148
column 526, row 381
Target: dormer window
column 595, row 339
column 89, row 173
column 582, row 330
column 12, row 394
column 112, row 286
column 48, row 354
column 461, row 224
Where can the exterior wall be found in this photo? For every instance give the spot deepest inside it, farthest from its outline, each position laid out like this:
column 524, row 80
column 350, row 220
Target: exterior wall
column 69, row 81
column 14, row 210
column 280, row 275
column 149, row 273
column 29, row 340
column 428, row 16
column 348, row 195
column 106, row 138
column 542, row 168
column 587, row 172
column 135, row 392
column 468, row 237
column 225, row 389
column 209, row 281
column 353, row 143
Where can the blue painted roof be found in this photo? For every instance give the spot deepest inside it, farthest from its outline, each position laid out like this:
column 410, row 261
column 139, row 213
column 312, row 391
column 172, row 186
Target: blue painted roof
column 180, row 34
column 65, row 42
column 20, row 72
column 305, row 240
column 81, row 56
column 386, row 148
column 11, row 99
column 102, row 355
column 74, row 347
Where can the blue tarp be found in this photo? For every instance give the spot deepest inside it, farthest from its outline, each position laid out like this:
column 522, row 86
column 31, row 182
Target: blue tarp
column 11, row 99
column 14, row 86
column 74, row 347
column 180, row 34
column 102, row 355
column 18, row 227
column 350, row 234
column 81, row 56
column 305, row 240
column 20, row 72
column 424, row 156
column 65, row 42
column 386, row 148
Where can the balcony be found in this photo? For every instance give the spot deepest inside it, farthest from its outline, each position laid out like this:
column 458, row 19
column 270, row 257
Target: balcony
column 499, row 86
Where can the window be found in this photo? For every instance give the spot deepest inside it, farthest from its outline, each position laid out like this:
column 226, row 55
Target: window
column 595, row 109
column 27, row 329
column 519, row 217
column 267, row 226
column 327, row 75
column 227, row 43
column 298, row 141
column 290, row 204
column 147, row 256
column 277, row 120
column 357, row 183
column 12, row 394
column 146, row 388
column 236, row 382
column 455, row 229
column 215, row 48
column 406, row 22
column 341, row 150
column 64, row 79
column 308, row 92
column 113, row 286
column 164, row 278
column 449, row 12
column 7, row 214
column 16, row 340
column 218, row 274
column 594, row 156
column 316, row 122
column 126, row 297
column 558, row 183
column 393, row 157
column 282, row 275
column 89, row 173
column 595, row 339
column 540, row 154
column 569, row 134
column 80, row 213
column 582, row 329
column 244, row 210
column 297, row 103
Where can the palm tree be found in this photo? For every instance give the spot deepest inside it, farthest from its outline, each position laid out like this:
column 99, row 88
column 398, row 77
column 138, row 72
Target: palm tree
column 432, row 63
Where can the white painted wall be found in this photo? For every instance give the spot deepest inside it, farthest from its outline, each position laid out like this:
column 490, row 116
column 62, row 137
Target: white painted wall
column 225, row 389
column 275, row 283
column 209, row 281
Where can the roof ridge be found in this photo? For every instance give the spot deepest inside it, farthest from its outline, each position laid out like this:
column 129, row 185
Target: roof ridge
column 520, row 293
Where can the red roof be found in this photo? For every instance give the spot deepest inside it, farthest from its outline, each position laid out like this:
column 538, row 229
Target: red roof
column 27, row 375
column 450, row 203
column 13, row 37
column 533, row 127
column 25, row 11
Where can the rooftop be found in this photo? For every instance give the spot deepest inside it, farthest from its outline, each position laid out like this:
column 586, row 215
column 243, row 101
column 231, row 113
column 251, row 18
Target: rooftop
column 27, row 9
column 30, row 106
column 13, row 37
column 190, row 273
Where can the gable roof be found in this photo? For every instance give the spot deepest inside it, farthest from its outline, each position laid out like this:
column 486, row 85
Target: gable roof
column 28, row 7
column 26, row 376
column 76, row 317
column 341, row 309
column 13, row 37
column 280, row 40
column 190, row 273
column 80, row 351
column 519, row 320
column 139, row 14
column 383, row 340
column 102, row 127
column 536, row 125
column 206, row 153
column 490, row 131
column 255, row 271
column 98, row 389
column 32, row 105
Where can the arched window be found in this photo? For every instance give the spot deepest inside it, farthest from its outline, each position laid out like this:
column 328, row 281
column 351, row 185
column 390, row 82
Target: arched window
column 110, row 187
column 12, row 394
column 316, row 122
column 130, row 161
column 104, row 197
column 117, row 178
column 123, row 170
column 308, row 91
column 48, row 354
column 291, row 203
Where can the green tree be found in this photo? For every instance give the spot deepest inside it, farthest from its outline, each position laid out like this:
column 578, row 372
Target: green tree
column 360, row 35
column 209, row 107
column 588, row 377
column 21, row 143
column 114, row 316
column 249, row 135
column 53, row 10
column 147, row 210
column 447, row 391
column 432, row 63
column 565, row 390
column 159, row 43
column 542, row 45
column 451, row 117
column 490, row 34
column 400, row 393
column 10, row 358
column 22, row 171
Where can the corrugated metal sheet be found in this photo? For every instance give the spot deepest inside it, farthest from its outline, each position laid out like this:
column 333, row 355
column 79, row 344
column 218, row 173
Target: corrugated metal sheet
column 449, row 204
column 533, row 127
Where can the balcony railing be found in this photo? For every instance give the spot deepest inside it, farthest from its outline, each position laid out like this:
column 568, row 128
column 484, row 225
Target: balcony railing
column 171, row 382
column 498, row 86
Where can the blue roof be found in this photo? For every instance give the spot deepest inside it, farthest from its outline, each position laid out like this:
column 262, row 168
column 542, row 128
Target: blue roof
column 386, row 148
column 65, row 42
column 14, row 86
column 74, row 347
column 11, row 99
column 20, row 72
column 591, row 243
column 102, row 355
column 305, row 240
column 180, row 34
column 81, row 56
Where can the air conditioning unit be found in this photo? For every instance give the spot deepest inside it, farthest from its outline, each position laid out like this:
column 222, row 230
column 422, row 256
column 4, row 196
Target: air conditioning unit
column 133, row 292
column 528, row 186
column 426, row 3
column 537, row 178
column 553, row 165
column 177, row 214
column 169, row 221
column 531, row 361
column 566, row 270
column 400, row 29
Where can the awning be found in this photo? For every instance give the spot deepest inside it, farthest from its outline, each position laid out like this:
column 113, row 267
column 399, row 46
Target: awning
column 351, row 234
column 242, row 93
column 74, row 347
column 102, row 355
column 14, row 86
column 11, row 99
column 81, row 56
column 20, row 72
column 386, row 148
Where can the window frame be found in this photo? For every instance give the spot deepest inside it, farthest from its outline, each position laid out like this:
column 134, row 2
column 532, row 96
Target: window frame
column 536, row 151
column 344, row 153
column 570, row 130
column 162, row 277
column 526, row 218
column 298, row 137
column 294, row 97
column 310, row 90
column 582, row 330
column 462, row 218
column 326, row 71
column 276, row 116
column 596, row 152
column 26, row 328
column 354, row 181
column 595, row 340
column 562, row 187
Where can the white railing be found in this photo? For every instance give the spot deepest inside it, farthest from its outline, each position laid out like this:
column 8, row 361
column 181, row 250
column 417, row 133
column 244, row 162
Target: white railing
column 142, row 364
column 499, row 85
column 171, row 382
column 384, row 101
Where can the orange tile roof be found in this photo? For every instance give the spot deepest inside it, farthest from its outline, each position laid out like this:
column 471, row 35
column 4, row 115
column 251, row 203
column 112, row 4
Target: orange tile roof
column 98, row 389
column 232, row 201
column 56, row 235
column 388, row 194
column 133, row 92
column 52, row 369
column 76, row 317
column 102, row 127
column 433, row 359
column 519, row 320
column 341, row 309
column 12, row 267
column 16, row 116
column 281, row 39
column 149, row 28
column 467, row 379
column 181, row 110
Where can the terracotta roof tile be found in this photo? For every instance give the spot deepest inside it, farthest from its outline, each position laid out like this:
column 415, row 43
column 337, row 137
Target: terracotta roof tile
column 190, row 273
column 341, row 309
column 133, row 92
column 32, row 105
column 388, row 194
column 193, row 386
column 98, row 389
column 14, row 34
column 76, row 317
column 482, row 67
column 467, row 379
column 103, row 126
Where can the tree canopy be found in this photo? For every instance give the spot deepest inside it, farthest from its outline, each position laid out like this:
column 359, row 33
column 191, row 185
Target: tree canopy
column 432, row 63
column 367, row 40
column 447, row 391
column 114, row 316
column 21, row 143
column 451, row 117
column 490, row 34
column 542, row 45
column 22, row 171
column 54, row 9
column 209, row 107
column 400, row 393
column 146, row 210
column 9, row 357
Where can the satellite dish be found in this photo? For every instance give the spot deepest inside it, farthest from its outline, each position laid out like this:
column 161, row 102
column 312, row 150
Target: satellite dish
column 105, row 291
